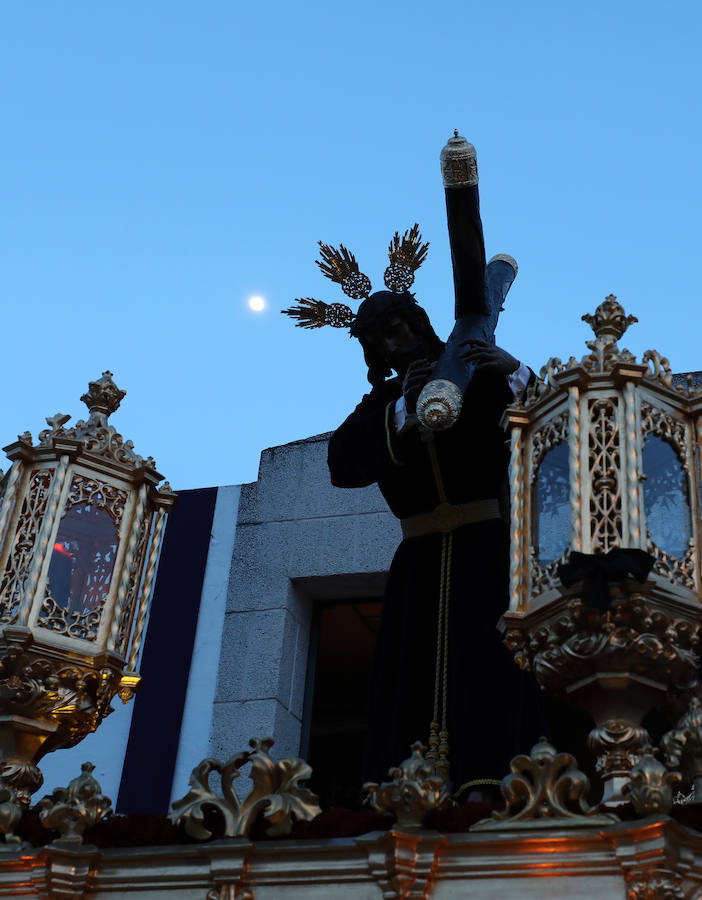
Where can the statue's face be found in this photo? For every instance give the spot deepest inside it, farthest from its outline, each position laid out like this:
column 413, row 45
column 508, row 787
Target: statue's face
column 398, row 343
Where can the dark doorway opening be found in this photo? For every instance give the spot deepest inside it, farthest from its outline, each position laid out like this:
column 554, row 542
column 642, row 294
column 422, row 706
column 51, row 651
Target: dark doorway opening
column 346, row 633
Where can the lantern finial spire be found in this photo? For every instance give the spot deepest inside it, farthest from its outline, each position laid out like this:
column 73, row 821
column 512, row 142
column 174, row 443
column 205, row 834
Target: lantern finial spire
column 610, row 320
column 102, row 399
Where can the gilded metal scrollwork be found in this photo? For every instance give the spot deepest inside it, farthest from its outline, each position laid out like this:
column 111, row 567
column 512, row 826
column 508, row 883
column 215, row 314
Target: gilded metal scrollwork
column 618, row 745
column 277, row 795
column 73, row 809
column 650, row 786
column 97, row 436
column 660, row 423
column 73, row 698
column 413, row 791
column 677, row 570
column 543, row 578
column 610, row 319
column 21, row 552
column 542, row 787
column 609, row 323
column 605, row 476
column 57, row 618
column 631, row 636
column 660, row 368
column 543, row 440
column 682, row 746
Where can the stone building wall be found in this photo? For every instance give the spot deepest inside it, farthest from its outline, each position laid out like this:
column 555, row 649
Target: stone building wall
column 298, row 540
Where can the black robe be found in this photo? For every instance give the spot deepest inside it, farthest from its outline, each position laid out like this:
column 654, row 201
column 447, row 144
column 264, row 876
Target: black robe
column 485, row 688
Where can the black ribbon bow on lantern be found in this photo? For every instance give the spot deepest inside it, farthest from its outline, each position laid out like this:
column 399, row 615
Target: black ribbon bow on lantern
column 597, row 569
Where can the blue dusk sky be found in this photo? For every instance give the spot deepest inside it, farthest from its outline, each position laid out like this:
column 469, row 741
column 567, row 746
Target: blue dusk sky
column 162, row 162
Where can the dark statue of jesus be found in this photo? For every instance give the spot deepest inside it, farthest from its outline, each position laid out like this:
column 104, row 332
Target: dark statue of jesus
column 441, row 673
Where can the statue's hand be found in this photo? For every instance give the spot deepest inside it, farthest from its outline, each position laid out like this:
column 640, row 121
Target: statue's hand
column 488, row 357
column 416, row 377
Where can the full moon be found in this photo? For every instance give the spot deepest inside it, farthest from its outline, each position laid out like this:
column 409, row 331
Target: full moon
column 257, row 304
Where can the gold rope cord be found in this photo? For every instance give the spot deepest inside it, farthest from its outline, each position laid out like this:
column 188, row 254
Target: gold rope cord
column 388, row 438
column 477, row 782
column 438, row 753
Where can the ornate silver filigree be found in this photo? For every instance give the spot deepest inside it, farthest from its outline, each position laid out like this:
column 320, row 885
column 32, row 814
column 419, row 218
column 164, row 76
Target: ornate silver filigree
column 439, row 404
column 73, row 809
column 277, row 795
column 459, row 162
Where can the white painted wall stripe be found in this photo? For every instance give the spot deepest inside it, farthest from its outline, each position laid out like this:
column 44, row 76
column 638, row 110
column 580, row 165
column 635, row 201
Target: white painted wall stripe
column 202, row 683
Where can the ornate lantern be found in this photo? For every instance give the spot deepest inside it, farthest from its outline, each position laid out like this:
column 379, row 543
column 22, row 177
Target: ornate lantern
column 605, row 460
column 81, row 521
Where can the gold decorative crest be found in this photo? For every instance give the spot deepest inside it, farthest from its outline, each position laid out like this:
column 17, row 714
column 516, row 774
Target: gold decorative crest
column 277, row 795
column 650, row 786
column 544, row 787
column 413, row 792
column 72, row 809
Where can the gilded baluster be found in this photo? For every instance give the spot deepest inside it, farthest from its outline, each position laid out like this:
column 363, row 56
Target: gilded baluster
column 47, row 527
column 9, row 495
column 516, row 561
column 697, row 500
column 147, row 589
column 576, row 516
column 632, row 467
column 129, row 563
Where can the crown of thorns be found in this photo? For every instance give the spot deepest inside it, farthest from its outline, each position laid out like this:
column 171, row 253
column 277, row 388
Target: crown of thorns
column 406, row 255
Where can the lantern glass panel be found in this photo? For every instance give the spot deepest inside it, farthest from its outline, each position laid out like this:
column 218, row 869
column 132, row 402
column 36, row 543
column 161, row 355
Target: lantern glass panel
column 83, row 558
column 552, row 505
column 666, row 497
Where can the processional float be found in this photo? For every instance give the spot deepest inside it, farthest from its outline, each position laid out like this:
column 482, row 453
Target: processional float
column 605, row 526
column 605, row 582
